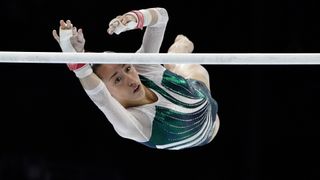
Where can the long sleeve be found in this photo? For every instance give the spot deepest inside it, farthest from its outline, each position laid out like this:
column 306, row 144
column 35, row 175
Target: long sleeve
column 153, row 36
column 151, row 43
column 124, row 123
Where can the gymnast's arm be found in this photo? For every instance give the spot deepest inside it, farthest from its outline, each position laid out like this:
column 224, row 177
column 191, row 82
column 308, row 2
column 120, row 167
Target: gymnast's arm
column 126, row 125
column 153, row 36
column 155, row 19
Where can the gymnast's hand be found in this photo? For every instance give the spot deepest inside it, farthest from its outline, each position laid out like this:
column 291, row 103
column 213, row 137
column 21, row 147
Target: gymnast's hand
column 122, row 23
column 69, row 38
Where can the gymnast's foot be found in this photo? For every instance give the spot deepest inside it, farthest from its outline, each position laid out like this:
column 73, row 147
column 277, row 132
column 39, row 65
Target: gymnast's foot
column 181, row 45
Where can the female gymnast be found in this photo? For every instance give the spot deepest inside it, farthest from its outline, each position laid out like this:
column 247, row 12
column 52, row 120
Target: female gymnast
column 166, row 106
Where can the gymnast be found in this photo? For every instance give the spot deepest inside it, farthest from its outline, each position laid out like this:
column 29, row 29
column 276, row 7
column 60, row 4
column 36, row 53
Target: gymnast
column 163, row 106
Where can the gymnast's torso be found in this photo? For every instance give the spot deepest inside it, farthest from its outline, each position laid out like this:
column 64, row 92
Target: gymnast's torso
column 184, row 114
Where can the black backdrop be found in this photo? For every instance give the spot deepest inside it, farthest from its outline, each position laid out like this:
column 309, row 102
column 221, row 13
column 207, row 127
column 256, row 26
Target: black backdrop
column 49, row 129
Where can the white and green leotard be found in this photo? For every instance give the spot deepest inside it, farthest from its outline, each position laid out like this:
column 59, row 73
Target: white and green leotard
column 184, row 115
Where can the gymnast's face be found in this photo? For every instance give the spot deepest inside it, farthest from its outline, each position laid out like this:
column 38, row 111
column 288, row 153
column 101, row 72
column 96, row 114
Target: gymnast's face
column 123, row 83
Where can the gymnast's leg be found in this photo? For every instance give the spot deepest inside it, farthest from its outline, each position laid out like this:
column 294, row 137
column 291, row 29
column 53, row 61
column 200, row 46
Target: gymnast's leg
column 190, row 71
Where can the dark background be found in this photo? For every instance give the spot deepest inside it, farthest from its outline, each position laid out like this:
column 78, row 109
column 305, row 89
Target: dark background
column 50, row 129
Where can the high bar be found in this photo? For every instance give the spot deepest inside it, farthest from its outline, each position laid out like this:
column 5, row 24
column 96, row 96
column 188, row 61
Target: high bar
column 161, row 58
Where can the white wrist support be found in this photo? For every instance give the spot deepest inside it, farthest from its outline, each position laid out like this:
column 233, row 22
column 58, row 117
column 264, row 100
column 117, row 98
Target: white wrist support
column 65, row 44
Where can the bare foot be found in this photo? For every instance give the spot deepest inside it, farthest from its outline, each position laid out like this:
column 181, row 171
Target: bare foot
column 181, row 45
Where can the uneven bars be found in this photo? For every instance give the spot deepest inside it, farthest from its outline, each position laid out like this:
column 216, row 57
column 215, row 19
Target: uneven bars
column 161, row 58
